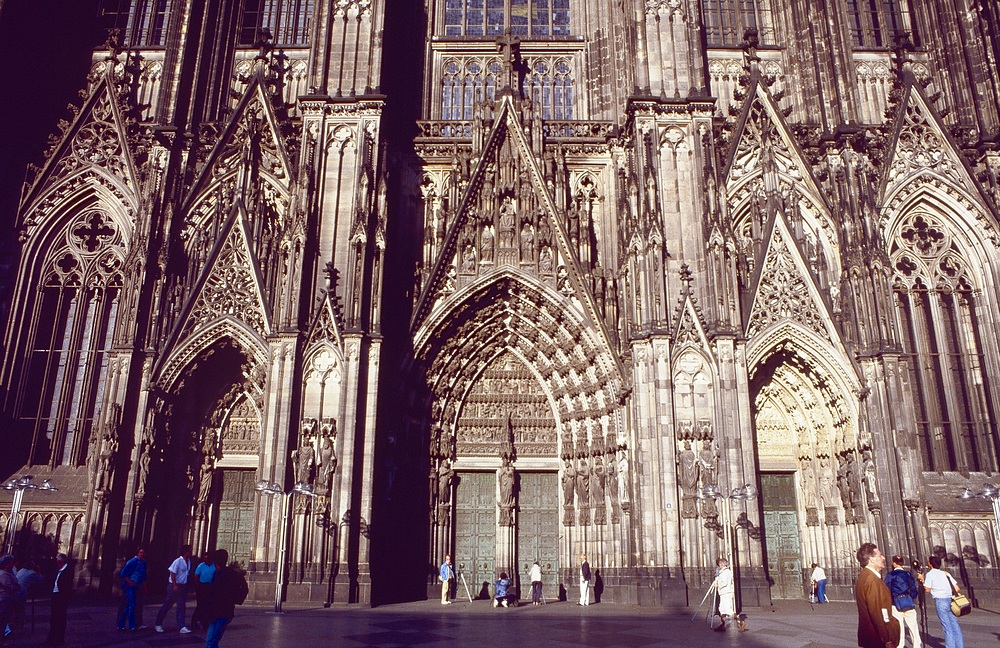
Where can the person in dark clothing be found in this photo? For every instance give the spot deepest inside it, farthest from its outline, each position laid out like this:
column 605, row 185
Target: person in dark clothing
column 903, row 588
column 62, row 591
column 204, row 574
column 228, row 589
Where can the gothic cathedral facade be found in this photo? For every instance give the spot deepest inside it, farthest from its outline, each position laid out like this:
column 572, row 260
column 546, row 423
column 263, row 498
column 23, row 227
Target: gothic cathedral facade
column 344, row 286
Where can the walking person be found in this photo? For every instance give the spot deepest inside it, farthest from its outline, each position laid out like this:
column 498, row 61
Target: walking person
column 725, row 585
column 876, row 626
column 62, row 591
column 446, row 575
column 9, row 590
column 27, row 579
column 903, row 588
column 584, row 580
column 133, row 574
column 941, row 586
column 204, row 573
column 818, row 579
column 535, row 576
column 177, row 588
column 227, row 590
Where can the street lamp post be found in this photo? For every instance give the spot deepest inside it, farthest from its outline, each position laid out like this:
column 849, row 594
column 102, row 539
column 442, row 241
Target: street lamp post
column 990, row 492
column 740, row 494
column 25, row 483
column 274, row 490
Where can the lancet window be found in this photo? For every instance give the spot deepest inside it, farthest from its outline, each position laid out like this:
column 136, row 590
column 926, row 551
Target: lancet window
column 288, row 21
column 467, row 81
column 140, row 23
column 71, row 325
column 875, row 24
column 726, row 21
column 525, row 18
column 938, row 312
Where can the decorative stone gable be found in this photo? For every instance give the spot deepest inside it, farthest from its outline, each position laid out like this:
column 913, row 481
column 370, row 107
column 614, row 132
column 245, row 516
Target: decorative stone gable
column 783, row 293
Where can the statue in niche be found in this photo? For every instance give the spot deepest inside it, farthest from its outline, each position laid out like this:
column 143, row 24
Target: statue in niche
column 708, row 462
column 445, row 478
column 545, row 260
column 506, row 222
column 109, row 449
column 809, row 488
column 583, row 483
column 469, row 259
column 487, row 244
column 597, row 491
column 327, row 461
column 143, row 478
column 568, row 482
column 687, row 475
column 623, row 482
column 611, row 485
column 449, row 281
column 871, row 482
column 562, row 281
column 303, row 459
column 205, row 480
column 527, row 243
column 828, row 490
column 844, row 480
column 505, row 475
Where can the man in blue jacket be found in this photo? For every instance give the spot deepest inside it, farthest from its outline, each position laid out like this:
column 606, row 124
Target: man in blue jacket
column 903, row 587
column 132, row 574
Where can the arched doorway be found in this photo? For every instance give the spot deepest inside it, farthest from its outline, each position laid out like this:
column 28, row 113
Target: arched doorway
column 810, row 461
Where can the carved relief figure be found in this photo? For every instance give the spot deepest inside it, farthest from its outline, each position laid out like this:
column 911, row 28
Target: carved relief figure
column 545, row 260
column 597, row 491
column 505, row 475
column 446, row 475
column 303, row 459
column 205, row 483
column 487, row 244
column 469, row 259
column 109, row 450
column 708, row 462
column 687, row 475
column 871, row 483
column 527, row 242
column 506, row 223
column 623, row 482
column 327, row 462
column 568, row 483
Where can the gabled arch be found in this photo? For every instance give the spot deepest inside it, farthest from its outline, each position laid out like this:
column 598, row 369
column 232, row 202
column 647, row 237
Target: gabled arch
column 187, row 349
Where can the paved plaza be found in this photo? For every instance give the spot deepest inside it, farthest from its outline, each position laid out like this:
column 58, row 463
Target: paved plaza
column 788, row 624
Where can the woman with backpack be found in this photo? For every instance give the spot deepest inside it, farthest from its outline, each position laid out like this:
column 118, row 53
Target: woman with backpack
column 903, row 587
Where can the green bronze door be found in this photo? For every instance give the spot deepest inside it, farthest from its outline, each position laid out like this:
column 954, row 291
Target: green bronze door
column 781, row 535
column 475, row 531
column 236, row 514
column 538, row 532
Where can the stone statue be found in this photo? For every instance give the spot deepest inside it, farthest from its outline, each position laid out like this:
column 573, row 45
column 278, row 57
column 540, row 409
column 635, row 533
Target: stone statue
column 505, row 475
column 327, row 461
column 568, row 483
column 687, row 475
column 507, row 223
column 205, row 483
column 871, row 483
column 487, row 244
column 446, row 476
column 303, row 459
column 583, row 483
column 597, row 491
column 143, row 477
column 844, row 482
column 527, row 242
column 623, row 482
column 545, row 260
column 809, row 483
column 708, row 462
column 109, row 450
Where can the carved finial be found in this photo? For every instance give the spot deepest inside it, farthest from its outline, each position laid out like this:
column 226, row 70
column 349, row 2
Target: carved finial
column 751, row 40
column 509, row 47
column 264, row 43
column 113, row 44
column 686, row 277
column 902, row 46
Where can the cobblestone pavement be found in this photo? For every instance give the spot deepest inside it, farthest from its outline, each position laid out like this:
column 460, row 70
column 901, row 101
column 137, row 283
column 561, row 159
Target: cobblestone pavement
column 787, row 624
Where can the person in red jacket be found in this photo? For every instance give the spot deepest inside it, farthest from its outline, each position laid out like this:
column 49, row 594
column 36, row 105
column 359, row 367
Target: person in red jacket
column 876, row 626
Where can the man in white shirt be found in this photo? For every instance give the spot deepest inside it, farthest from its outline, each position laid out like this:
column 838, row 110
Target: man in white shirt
column 584, row 581
column 941, row 586
column 177, row 588
column 818, row 579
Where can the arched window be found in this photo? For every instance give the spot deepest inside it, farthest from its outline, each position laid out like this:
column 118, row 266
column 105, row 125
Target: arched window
column 875, row 24
column 288, row 21
column 525, row 18
column 938, row 314
column 140, row 23
column 725, row 21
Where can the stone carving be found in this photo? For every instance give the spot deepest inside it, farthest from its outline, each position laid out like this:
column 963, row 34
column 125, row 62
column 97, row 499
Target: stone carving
column 445, row 478
column 784, row 294
column 326, row 462
column 687, row 475
column 109, row 449
column 487, row 244
column 205, row 482
column 810, row 490
column 871, row 482
column 623, row 483
column 506, row 223
column 844, row 483
column 303, row 459
column 583, row 490
column 597, row 491
column 568, row 487
column 505, row 476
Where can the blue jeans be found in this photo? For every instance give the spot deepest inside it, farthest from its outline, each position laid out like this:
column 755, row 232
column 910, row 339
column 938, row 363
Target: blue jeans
column 215, row 631
column 179, row 596
column 821, row 591
column 952, row 632
column 128, row 592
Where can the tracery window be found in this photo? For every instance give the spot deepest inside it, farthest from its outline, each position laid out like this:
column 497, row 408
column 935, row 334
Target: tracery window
column 938, row 314
column 526, row 18
column 140, row 23
column 288, row 21
column 725, row 21
column 470, row 80
column 875, row 24
column 72, row 323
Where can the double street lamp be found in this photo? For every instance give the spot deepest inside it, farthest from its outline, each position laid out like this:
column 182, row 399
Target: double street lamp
column 19, row 486
column 270, row 489
column 739, row 494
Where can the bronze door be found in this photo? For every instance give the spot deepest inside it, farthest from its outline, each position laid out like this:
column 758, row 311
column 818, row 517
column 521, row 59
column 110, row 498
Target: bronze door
column 781, row 535
column 236, row 515
column 538, row 532
column 475, row 531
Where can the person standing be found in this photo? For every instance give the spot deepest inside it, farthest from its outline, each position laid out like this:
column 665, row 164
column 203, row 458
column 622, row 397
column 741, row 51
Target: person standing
column 584, row 580
column 228, row 589
column 941, row 586
column 725, row 584
column 62, row 591
column 818, row 579
column 903, row 588
column 446, row 575
column 177, row 587
column 203, row 575
column 535, row 576
column 8, row 591
column 133, row 574
column 876, row 626
column 27, row 578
